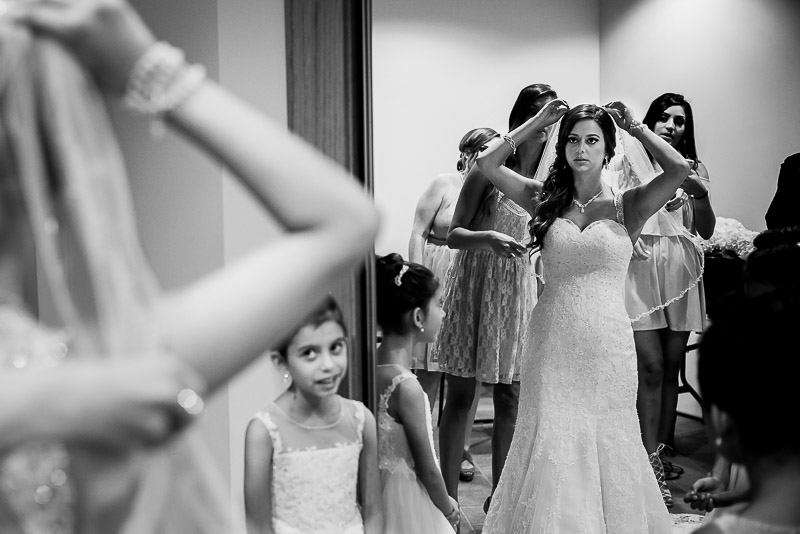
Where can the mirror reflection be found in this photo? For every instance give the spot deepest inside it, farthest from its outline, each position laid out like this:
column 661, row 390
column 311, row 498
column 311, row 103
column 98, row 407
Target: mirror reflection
column 442, row 71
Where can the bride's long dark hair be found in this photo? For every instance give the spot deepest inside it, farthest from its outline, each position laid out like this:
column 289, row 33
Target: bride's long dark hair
column 558, row 189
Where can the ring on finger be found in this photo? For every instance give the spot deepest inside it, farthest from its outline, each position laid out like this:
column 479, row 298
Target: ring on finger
column 190, row 401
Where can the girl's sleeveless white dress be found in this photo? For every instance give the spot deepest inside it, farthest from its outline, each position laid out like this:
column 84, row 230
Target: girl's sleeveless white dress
column 407, row 506
column 315, row 472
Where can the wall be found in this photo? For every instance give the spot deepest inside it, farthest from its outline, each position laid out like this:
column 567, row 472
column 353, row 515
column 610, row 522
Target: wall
column 737, row 63
column 442, row 68
column 192, row 216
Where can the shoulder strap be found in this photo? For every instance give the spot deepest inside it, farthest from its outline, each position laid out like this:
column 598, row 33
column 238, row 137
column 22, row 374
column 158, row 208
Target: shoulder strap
column 359, row 410
column 272, row 428
column 400, row 377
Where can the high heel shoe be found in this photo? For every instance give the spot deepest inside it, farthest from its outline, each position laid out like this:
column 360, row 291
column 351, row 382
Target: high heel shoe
column 671, row 470
column 467, row 472
column 658, row 470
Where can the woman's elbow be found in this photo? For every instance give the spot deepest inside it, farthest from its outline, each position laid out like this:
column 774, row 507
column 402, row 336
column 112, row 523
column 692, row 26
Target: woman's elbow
column 706, row 231
column 486, row 164
column 452, row 239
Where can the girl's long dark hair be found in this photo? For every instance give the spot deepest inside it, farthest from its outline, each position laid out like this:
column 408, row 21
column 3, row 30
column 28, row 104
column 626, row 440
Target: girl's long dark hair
column 558, row 189
column 686, row 146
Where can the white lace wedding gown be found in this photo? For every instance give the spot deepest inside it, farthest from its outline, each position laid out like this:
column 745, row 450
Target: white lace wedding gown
column 577, row 463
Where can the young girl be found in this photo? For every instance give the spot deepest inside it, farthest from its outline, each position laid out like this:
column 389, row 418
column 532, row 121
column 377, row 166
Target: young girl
column 409, row 312
column 310, row 457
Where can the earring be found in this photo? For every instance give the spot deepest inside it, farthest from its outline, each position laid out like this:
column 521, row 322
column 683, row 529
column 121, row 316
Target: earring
column 286, row 377
column 605, row 161
column 718, row 442
column 421, row 329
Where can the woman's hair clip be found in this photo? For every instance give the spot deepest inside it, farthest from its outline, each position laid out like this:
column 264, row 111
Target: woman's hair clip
column 398, row 280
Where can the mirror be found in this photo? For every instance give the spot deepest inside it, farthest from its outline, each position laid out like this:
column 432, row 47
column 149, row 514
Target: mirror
column 443, row 68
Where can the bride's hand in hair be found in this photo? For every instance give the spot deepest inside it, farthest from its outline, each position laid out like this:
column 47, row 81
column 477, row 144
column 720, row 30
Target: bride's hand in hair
column 107, row 36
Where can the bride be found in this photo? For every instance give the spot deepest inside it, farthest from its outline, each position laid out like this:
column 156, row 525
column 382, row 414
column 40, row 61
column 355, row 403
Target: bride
column 94, row 404
column 576, row 462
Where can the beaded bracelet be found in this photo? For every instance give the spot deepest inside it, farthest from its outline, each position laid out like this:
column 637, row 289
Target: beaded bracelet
column 635, row 126
column 510, row 140
column 161, row 80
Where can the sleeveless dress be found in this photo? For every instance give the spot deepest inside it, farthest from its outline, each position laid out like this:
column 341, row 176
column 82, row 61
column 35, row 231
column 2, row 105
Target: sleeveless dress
column 407, row 506
column 315, row 472
column 577, row 463
column 666, row 290
column 488, row 300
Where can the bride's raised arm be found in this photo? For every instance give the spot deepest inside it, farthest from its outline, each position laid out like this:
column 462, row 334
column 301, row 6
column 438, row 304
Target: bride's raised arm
column 517, row 187
column 643, row 201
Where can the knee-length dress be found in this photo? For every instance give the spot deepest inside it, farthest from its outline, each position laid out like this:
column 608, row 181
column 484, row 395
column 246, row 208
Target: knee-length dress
column 488, row 300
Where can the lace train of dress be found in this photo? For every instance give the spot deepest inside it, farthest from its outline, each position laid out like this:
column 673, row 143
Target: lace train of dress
column 407, row 506
column 577, row 463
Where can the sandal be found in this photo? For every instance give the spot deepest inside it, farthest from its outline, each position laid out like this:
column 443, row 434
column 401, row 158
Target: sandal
column 467, row 467
column 671, row 471
column 658, row 470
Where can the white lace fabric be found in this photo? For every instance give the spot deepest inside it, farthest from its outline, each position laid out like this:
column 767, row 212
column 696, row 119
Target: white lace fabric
column 407, row 505
column 488, row 300
column 394, row 454
column 577, row 463
column 315, row 472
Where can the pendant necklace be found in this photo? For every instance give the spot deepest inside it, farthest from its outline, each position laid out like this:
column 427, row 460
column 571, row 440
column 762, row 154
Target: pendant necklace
column 583, row 206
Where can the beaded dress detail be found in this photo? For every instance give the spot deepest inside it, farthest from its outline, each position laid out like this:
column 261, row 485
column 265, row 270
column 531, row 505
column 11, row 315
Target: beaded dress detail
column 577, row 463
column 315, row 472
column 34, row 478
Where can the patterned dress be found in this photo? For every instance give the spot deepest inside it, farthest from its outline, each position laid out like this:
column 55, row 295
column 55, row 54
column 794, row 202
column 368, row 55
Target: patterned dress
column 577, row 463
column 488, row 300
column 315, row 472
column 407, row 506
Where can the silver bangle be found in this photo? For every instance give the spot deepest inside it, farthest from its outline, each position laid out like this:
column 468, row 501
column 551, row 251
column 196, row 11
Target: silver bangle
column 510, row 140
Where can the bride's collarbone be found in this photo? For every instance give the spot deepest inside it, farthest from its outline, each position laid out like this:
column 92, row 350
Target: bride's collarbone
column 600, row 210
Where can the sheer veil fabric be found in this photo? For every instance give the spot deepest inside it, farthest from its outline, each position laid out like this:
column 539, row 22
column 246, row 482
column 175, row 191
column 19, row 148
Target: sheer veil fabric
column 631, row 167
column 68, row 176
